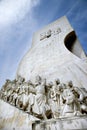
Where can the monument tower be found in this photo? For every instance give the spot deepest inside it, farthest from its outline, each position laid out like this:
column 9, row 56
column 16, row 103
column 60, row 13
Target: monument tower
column 55, row 52
column 50, row 90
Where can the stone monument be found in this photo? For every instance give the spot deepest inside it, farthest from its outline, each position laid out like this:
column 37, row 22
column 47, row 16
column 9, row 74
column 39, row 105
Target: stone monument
column 49, row 91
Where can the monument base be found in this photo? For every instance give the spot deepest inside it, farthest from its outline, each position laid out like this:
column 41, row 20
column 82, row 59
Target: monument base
column 72, row 123
column 11, row 118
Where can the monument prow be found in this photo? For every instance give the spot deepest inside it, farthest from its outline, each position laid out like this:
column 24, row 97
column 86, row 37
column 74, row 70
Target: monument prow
column 55, row 52
column 50, row 89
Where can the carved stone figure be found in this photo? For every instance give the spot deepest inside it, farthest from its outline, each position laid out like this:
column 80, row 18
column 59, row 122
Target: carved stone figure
column 19, row 100
column 69, row 85
column 5, row 95
column 45, row 100
column 82, row 99
column 55, row 95
column 4, row 89
column 37, row 80
column 25, row 100
column 20, row 80
column 11, row 90
column 30, row 87
column 48, row 88
column 8, row 91
column 5, row 85
column 48, row 34
column 71, row 107
column 40, row 106
column 14, row 96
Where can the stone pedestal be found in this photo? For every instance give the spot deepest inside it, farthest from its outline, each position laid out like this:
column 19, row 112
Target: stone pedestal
column 73, row 123
column 11, row 118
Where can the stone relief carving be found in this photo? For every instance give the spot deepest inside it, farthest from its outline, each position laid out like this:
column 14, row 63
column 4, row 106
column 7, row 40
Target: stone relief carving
column 71, row 106
column 55, row 98
column 44, row 99
column 50, row 32
column 40, row 106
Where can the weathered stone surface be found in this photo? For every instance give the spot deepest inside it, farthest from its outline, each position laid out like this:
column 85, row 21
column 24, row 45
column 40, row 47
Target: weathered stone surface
column 45, row 101
column 50, row 58
column 72, row 123
column 11, row 118
column 55, row 54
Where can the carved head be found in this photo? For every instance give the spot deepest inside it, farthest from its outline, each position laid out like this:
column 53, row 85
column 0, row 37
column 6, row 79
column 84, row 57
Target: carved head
column 37, row 80
column 68, row 96
column 20, row 79
column 60, row 87
column 70, row 84
column 57, row 81
column 14, row 81
column 8, row 80
column 50, row 84
column 29, row 82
